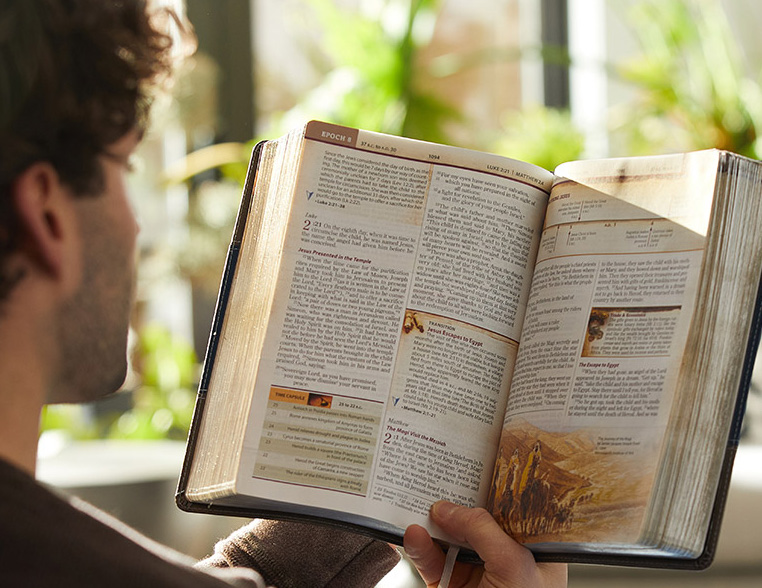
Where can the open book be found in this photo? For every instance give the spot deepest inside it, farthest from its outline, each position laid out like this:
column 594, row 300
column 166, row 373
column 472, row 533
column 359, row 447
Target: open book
column 400, row 322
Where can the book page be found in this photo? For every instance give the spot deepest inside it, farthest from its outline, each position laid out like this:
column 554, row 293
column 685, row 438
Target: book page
column 394, row 329
column 609, row 312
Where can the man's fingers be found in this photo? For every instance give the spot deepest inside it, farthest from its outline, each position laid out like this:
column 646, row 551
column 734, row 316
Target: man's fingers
column 506, row 563
column 426, row 555
column 476, row 527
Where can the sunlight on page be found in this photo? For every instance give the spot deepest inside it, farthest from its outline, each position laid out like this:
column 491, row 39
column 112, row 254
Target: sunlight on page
column 677, row 187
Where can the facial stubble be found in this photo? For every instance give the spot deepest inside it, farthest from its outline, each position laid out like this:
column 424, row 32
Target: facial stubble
column 93, row 324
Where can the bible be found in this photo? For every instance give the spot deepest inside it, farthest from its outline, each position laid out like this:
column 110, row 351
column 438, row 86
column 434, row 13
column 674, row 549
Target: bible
column 400, row 322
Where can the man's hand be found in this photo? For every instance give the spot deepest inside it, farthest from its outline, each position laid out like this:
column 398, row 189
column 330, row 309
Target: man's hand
column 506, row 563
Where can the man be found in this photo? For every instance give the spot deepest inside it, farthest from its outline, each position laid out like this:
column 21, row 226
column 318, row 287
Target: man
column 75, row 80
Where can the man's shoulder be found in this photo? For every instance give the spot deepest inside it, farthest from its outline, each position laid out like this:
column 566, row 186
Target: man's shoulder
column 48, row 540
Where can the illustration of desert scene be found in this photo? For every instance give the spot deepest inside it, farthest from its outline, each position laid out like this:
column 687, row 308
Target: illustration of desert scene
column 579, row 486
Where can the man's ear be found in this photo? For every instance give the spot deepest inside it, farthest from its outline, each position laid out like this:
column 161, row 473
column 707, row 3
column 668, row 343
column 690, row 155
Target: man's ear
column 44, row 210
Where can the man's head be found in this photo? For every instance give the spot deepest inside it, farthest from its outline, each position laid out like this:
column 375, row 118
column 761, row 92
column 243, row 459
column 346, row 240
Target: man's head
column 75, row 80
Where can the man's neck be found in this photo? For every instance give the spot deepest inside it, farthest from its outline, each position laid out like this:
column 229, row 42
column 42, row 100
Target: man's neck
column 23, row 385
column 18, row 439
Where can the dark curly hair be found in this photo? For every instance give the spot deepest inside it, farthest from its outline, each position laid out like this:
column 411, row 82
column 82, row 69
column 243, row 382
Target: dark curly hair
column 75, row 76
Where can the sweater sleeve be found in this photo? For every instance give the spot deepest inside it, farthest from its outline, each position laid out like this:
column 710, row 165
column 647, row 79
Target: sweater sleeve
column 295, row 555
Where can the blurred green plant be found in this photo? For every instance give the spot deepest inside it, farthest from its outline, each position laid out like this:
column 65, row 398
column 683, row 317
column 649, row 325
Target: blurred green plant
column 695, row 89
column 539, row 135
column 72, row 421
column 374, row 78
